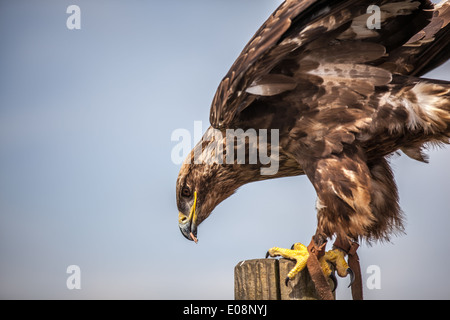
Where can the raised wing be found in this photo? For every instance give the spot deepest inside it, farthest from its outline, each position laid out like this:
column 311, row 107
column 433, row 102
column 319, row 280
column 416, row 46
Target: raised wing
column 310, row 46
column 230, row 95
column 427, row 49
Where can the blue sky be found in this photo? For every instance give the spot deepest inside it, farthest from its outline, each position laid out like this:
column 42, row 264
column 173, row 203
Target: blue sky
column 86, row 118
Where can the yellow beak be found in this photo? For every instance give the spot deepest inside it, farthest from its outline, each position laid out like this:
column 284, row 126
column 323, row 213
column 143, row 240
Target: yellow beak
column 193, row 213
column 188, row 224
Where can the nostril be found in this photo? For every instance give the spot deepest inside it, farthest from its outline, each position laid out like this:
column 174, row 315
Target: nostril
column 182, row 218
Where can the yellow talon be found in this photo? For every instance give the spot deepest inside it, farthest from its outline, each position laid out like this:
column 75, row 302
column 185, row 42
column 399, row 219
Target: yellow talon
column 336, row 257
column 299, row 253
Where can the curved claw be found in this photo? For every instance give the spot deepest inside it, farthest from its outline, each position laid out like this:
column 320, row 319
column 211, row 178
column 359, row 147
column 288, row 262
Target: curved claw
column 335, row 283
column 352, row 277
column 286, row 281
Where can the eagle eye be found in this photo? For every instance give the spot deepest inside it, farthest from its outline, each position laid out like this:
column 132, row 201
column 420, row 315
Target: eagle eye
column 186, row 192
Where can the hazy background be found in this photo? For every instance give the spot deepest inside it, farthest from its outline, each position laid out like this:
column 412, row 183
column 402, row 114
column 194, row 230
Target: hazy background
column 86, row 176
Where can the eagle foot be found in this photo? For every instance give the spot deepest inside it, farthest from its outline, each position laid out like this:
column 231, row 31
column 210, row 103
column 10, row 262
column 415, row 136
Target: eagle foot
column 331, row 261
column 334, row 260
column 298, row 252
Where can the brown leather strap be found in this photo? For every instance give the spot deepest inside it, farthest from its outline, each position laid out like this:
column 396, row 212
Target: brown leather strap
column 317, row 276
column 350, row 248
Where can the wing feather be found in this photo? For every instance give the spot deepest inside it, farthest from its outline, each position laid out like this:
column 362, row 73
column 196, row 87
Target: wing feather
column 293, row 29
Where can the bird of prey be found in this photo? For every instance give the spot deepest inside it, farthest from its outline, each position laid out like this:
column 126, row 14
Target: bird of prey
column 340, row 84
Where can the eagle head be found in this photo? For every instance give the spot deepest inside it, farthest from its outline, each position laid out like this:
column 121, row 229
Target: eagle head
column 204, row 182
column 200, row 188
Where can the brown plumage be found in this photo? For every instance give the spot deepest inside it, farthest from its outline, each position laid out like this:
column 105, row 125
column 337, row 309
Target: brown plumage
column 343, row 98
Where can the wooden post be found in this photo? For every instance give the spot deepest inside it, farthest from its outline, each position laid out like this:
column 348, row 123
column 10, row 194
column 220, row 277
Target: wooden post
column 264, row 279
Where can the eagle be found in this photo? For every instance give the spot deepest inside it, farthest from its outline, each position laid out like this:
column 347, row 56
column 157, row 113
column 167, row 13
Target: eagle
column 340, row 86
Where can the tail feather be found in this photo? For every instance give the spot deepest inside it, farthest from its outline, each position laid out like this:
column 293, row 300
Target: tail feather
column 428, row 107
column 412, row 114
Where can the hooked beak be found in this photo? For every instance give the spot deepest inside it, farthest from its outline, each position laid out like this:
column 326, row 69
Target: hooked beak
column 188, row 225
